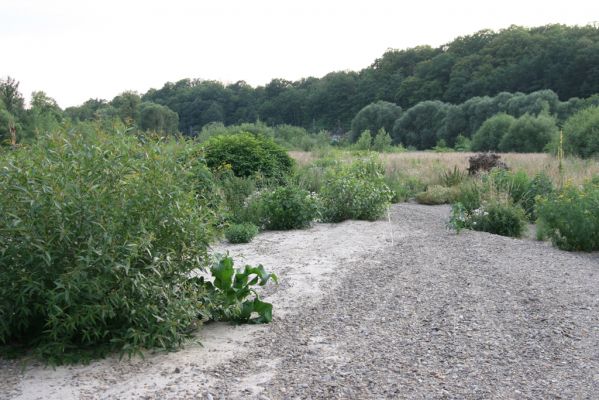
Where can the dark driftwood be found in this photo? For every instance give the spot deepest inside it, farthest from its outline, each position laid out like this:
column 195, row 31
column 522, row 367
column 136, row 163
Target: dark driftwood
column 485, row 162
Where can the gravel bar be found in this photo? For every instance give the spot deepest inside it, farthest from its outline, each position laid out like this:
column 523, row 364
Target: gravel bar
column 427, row 314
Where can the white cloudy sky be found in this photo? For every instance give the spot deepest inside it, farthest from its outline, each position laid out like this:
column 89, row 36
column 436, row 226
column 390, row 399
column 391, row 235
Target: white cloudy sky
column 77, row 49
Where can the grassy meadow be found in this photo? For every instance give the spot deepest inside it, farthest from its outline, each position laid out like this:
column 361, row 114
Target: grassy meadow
column 426, row 166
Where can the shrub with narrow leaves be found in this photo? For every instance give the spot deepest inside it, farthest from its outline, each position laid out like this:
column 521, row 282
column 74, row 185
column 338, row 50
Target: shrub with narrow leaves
column 98, row 234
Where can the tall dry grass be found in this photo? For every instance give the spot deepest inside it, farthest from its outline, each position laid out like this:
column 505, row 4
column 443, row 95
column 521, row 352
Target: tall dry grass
column 427, row 166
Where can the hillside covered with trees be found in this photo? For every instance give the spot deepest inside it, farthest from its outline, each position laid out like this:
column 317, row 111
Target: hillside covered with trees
column 419, row 95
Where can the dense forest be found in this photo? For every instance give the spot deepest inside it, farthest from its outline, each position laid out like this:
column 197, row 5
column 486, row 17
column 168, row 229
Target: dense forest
column 419, row 95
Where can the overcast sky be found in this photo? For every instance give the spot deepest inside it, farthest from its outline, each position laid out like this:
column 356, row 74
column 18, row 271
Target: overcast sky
column 78, row 49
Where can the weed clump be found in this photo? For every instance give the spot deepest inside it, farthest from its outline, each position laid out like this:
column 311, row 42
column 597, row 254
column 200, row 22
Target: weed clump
column 241, row 233
column 355, row 191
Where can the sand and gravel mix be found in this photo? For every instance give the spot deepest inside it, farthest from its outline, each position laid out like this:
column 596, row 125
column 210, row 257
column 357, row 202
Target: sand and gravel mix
column 397, row 308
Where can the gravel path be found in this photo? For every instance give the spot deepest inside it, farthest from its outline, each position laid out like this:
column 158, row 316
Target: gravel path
column 363, row 313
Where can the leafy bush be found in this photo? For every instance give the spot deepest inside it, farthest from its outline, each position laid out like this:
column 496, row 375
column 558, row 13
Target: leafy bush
column 288, row 207
column 540, row 187
column 488, row 136
column 98, row 235
column 570, row 217
column 357, row 191
column 241, row 233
column 491, row 204
column 462, row 143
column 235, row 191
column 364, row 142
column 581, row 133
column 529, row 134
column 382, row 141
column 436, row 194
column 498, row 217
column 403, row 187
column 469, row 195
column 375, row 116
column 248, row 155
column 227, row 296
column 515, row 184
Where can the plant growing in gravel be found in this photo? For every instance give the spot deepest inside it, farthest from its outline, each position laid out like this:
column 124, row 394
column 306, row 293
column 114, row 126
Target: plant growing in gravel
column 288, row 207
column 230, row 296
column 356, row 191
column 501, row 218
column 570, row 217
column 540, row 187
column 437, row 195
column 98, row 234
column 498, row 217
column 403, row 187
column 241, row 233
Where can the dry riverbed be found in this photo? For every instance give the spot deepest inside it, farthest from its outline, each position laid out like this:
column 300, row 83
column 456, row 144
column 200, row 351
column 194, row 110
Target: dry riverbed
column 398, row 308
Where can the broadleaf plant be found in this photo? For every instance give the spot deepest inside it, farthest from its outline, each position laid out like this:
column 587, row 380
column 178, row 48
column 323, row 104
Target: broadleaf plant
column 231, row 296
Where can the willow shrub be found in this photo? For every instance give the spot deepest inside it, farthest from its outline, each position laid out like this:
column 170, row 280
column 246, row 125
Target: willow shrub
column 355, row 191
column 98, row 235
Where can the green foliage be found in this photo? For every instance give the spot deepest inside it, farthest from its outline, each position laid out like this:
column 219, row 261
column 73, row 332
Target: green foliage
column 529, row 134
column 158, row 118
column 382, row 141
column 364, row 142
column 288, row 207
column 127, row 106
column 581, row 133
column 488, row 136
column 500, row 218
column 515, row 184
column 309, row 177
column 241, row 233
column 470, row 195
column 374, row 117
column 248, row 155
column 98, row 235
column 437, row 194
column 7, row 120
column 236, row 192
column 422, row 125
column 230, row 297
column 570, row 217
column 10, row 96
column 538, row 188
column 462, row 144
column 493, row 204
column 355, row 191
column 441, row 147
column 452, row 177
column 402, row 186
column 497, row 216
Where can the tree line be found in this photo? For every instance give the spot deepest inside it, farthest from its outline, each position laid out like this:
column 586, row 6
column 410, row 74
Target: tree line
column 457, row 86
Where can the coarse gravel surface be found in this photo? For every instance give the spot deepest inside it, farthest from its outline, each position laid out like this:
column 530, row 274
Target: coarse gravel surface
column 394, row 309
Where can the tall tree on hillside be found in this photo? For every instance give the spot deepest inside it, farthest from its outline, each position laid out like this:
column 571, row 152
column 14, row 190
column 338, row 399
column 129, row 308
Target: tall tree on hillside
column 11, row 97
